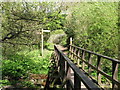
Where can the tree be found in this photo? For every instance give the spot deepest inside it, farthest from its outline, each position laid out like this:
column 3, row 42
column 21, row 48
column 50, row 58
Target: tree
column 21, row 21
column 94, row 27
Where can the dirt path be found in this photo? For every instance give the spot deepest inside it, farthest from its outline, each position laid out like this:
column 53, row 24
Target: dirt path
column 61, row 47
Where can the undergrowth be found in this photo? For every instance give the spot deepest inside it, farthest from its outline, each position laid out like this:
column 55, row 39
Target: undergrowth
column 22, row 64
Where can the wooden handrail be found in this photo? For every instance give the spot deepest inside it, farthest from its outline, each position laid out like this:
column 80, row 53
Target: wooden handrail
column 66, row 65
column 106, row 57
column 115, row 63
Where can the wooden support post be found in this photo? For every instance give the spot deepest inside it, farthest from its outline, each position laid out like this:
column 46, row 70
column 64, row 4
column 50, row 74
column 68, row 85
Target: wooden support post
column 77, row 82
column 114, row 74
column 68, row 77
column 99, row 68
column 62, row 67
column 90, row 62
column 72, row 52
column 83, row 63
column 69, row 51
column 70, row 40
column 42, row 42
column 41, row 32
column 70, row 47
column 75, row 57
column 78, row 59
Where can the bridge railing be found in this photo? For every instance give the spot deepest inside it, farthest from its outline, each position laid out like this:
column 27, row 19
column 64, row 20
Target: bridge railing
column 80, row 54
column 67, row 70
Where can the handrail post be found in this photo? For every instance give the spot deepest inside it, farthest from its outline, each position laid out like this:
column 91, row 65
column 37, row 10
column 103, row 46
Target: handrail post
column 62, row 67
column 99, row 68
column 90, row 62
column 72, row 52
column 79, row 75
column 78, row 59
column 70, row 47
column 68, row 77
column 77, row 82
column 75, row 49
column 114, row 74
column 71, row 40
column 83, row 56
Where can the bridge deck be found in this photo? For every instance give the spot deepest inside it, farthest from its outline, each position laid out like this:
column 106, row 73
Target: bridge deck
column 68, row 73
column 74, row 77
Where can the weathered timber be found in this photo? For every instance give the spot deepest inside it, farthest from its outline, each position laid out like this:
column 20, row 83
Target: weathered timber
column 79, row 75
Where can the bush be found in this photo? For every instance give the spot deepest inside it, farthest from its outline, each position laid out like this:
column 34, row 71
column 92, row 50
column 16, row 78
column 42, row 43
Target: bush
column 22, row 64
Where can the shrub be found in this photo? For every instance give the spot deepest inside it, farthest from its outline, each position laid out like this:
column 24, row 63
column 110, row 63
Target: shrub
column 22, row 64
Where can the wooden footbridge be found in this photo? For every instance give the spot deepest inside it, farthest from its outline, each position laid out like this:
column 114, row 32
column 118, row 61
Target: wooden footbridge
column 74, row 71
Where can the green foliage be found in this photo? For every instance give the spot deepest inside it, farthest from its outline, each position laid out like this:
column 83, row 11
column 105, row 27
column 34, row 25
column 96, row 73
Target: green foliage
column 22, row 64
column 57, row 37
column 27, row 84
column 94, row 26
column 21, row 21
column 13, row 70
column 4, row 83
column 21, row 26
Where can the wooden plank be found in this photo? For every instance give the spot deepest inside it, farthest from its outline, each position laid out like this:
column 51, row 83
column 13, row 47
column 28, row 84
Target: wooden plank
column 87, row 82
column 42, row 42
column 75, row 49
column 83, row 56
column 68, row 77
column 101, row 72
column 114, row 74
column 111, row 59
column 71, row 85
column 62, row 67
column 78, row 59
column 46, row 30
column 71, row 40
column 90, row 62
column 72, row 52
column 99, row 68
column 77, row 82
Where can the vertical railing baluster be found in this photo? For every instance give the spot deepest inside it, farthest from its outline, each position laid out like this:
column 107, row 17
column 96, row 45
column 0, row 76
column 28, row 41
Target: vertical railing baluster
column 72, row 52
column 114, row 74
column 69, row 51
column 77, row 82
column 68, row 77
column 99, row 68
column 70, row 46
column 78, row 59
column 59, row 63
column 75, row 60
column 83, row 57
column 90, row 62
column 62, row 67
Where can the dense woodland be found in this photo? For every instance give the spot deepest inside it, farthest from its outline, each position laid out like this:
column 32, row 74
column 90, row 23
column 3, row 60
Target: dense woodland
column 92, row 25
